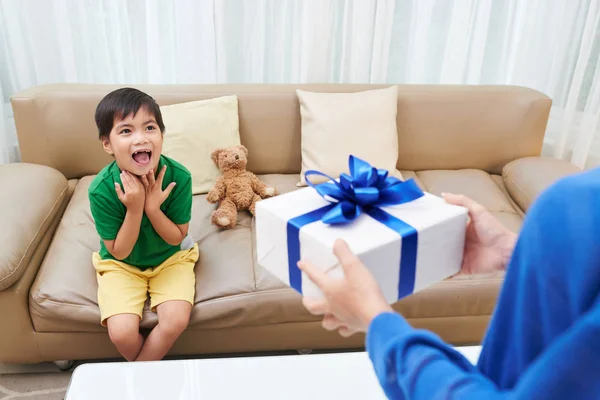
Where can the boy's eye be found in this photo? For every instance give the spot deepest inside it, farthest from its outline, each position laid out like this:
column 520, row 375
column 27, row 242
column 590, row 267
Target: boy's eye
column 126, row 131
column 150, row 128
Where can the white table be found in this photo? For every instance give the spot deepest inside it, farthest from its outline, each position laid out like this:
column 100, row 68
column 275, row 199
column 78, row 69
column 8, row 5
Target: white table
column 313, row 377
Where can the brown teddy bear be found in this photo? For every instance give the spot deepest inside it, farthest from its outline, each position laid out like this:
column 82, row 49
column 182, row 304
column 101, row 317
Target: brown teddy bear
column 236, row 189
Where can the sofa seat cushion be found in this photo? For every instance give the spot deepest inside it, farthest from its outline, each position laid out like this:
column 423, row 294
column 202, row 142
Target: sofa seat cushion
column 231, row 289
column 32, row 197
column 488, row 190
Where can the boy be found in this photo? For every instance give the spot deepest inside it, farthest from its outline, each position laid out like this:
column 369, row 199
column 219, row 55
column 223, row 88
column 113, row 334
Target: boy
column 141, row 204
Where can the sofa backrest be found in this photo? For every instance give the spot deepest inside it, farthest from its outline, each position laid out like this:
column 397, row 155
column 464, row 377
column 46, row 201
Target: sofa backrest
column 439, row 126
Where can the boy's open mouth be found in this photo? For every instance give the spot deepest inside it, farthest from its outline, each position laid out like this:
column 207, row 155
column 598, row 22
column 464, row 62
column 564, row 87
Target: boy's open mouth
column 142, row 157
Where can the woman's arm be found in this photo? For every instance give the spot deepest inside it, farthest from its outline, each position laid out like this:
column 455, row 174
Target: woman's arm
column 416, row 364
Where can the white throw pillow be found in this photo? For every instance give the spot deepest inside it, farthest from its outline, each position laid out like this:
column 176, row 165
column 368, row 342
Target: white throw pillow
column 337, row 125
column 194, row 130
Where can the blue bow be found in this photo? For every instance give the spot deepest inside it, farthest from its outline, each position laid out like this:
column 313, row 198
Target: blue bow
column 363, row 190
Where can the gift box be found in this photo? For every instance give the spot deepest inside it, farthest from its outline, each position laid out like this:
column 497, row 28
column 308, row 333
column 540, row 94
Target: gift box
column 407, row 238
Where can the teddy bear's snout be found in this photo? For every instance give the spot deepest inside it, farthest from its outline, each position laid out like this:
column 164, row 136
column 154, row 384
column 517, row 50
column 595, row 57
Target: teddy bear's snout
column 237, row 157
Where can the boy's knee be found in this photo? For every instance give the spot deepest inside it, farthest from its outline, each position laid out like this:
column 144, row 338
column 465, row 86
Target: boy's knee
column 123, row 335
column 175, row 323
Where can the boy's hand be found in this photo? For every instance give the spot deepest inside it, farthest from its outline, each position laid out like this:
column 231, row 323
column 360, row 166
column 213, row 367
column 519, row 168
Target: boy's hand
column 132, row 194
column 155, row 196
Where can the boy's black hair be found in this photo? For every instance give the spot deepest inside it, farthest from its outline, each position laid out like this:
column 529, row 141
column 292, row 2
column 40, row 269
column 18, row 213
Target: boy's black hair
column 122, row 103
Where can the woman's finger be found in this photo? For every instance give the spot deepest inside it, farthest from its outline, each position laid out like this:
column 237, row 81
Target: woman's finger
column 318, row 277
column 316, row 306
column 346, row 332
column 348, row 260
column 472, row 206
column 331, row 323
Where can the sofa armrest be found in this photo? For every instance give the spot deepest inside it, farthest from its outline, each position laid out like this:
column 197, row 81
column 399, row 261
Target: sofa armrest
column 526, row 178
column 32, row 197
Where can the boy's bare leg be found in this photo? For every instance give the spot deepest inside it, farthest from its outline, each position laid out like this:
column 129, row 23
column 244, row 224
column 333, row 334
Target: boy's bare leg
column 173, row 318
column 124, row 332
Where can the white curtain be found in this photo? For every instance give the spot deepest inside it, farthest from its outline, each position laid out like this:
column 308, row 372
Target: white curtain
column 549, row 45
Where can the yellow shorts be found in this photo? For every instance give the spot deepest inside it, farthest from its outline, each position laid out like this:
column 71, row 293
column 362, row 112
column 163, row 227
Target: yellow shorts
column 123, row 289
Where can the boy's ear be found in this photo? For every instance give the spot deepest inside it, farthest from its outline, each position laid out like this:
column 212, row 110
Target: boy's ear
column 215, row 156
column 242, row 147
column 107, row 147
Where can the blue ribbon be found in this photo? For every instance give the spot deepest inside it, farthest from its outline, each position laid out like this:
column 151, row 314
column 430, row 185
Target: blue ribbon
column 365, row 190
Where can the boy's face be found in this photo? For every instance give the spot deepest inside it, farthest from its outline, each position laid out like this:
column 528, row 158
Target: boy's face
column 135, row 142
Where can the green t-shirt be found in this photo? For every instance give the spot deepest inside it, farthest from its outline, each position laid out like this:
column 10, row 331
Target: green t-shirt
column 150, row 250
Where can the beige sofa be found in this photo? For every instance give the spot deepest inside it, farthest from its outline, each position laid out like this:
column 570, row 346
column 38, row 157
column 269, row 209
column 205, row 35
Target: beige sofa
column 482, row 141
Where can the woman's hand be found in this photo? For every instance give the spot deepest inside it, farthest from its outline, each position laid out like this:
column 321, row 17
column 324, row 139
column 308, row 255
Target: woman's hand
column 488, row 244
column 350, row 303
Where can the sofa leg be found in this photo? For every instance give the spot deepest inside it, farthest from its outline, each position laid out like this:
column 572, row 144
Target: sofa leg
column 304, row 352
column 64, row 365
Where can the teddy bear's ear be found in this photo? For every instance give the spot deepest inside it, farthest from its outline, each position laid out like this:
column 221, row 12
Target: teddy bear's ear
column 215, row 156
column 242, row 147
